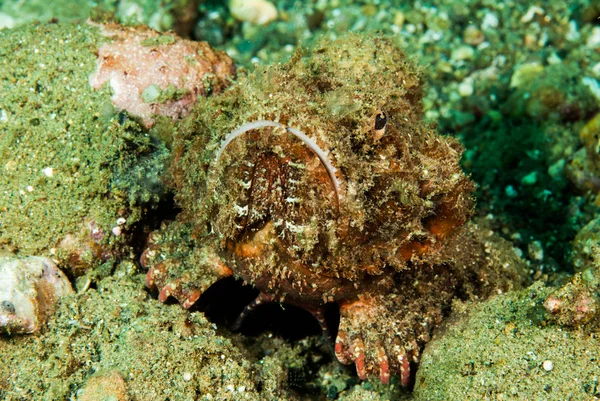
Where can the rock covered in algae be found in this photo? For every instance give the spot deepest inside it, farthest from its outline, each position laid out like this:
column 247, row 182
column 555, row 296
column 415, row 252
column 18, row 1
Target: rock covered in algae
column 586, row 247
column 76, row 175
column 108, row 386
column 260, row 12
column 29, row 290
column 506, row 348
column 160, row 351
column 577, row 302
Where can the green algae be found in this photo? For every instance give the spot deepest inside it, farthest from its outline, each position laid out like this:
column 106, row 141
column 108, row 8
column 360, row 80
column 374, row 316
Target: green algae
column 496, row 350
column 165, row 352
column 117, row 327
column 70, row 163
column 159, row 40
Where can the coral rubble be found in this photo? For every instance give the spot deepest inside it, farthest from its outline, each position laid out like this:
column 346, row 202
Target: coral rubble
column 150, row 73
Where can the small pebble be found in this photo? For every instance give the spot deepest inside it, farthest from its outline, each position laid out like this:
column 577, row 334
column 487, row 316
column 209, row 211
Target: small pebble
column 594, row 39
column 259, row 12
column 473, row 35
column 463, row 53
column 530, row 179
column 510, row 191
column 6, row 21
column 490, row 21
column 556, row 170
column 554, row 59
column 108, row 386
column 518, row 252
column 593, row 85
column 573, row 34
column 525, row 73
column 531, row 13
column 535, row 250
column 465, row 88
column 399, row 19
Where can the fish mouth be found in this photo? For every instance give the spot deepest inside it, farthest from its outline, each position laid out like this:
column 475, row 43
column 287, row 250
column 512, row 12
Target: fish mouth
column 323, row 155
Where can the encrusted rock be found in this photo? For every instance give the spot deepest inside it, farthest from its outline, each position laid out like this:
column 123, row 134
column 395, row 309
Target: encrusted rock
column 152, row 73
column 29, row 290
column 107, row 386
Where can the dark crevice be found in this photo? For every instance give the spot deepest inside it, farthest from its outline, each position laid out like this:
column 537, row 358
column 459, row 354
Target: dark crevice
column 165, row 210
column 225, row 300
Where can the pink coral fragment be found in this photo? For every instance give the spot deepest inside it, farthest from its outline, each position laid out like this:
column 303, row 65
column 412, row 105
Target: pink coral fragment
column 152, row 73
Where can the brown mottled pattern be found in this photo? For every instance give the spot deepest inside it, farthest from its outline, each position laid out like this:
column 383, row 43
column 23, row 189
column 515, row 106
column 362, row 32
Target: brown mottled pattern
column 392, row 248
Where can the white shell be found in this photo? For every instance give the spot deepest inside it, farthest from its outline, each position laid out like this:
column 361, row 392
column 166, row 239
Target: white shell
column 29, row 290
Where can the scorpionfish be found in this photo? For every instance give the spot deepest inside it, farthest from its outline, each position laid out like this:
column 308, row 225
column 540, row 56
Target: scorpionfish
column 317, row 181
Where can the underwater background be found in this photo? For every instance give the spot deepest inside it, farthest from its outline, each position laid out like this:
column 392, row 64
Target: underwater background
column 82, row 184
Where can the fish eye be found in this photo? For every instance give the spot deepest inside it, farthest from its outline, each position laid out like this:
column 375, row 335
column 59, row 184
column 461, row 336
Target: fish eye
column 7, row 307
column 380, row 121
